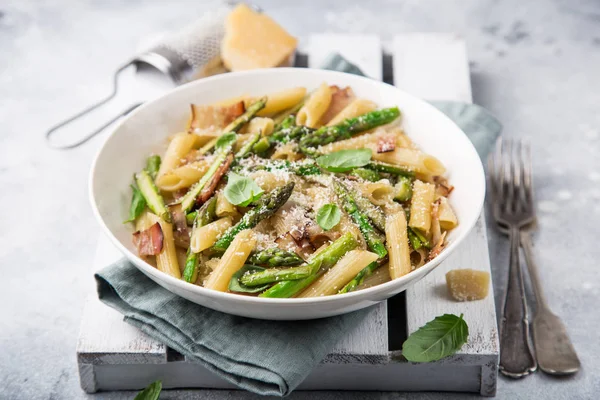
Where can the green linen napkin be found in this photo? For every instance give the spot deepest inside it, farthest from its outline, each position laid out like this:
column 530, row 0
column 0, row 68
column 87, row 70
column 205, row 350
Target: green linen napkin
column 264, row 357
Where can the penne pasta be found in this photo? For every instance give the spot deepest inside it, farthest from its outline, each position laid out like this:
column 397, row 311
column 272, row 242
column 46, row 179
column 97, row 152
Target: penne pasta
column 234, row 258
column 280, row 101
column 413, row 159
column 418, row 257
column 353, row 110
column 420, row 207
column 286, row 152
column 447, row 217
column 224, row 208
column 315, row 107
column 379, row 193
column 179, row 147
column 182, row 177
column 379, row 276
column 340, row 274
column 205, row 236
column 267, row 180
column 166, row 261
column 263, row 125
column 396, row 234
column 340, row 99
column 368, row 140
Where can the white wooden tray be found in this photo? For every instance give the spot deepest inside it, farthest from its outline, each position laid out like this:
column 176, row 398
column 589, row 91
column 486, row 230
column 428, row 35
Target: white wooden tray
column 113, row 355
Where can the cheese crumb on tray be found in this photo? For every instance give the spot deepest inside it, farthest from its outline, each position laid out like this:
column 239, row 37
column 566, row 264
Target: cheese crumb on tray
column 468, row 284
column 254, row 40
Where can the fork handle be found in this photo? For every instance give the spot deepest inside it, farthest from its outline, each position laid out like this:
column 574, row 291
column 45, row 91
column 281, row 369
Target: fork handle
column 516, row 357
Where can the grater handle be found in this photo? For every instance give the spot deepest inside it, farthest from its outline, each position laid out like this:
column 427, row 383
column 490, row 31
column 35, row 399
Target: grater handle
column 63, row 124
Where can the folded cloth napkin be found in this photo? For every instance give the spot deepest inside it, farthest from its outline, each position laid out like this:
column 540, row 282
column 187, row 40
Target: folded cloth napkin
column 264, row 357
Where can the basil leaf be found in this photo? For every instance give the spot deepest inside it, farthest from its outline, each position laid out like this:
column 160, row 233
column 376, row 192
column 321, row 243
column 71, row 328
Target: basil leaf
column 153, row 165
column 442, row 337
column 328, row 216
column 151, row 392
column 345, row 160
column 241, row 190
column 138, row 203
column 226, row 140
column 236, row 286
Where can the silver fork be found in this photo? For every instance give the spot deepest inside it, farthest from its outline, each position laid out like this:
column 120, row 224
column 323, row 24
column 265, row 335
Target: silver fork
column 555, row 352
column 513, row 208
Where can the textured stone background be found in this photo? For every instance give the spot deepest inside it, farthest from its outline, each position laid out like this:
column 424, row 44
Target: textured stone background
column 535, row 64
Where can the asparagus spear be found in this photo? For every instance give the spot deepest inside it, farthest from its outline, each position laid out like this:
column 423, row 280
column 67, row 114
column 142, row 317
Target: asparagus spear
column 153, row 198
column 414, row 240
column 347, row 128
column 291, row 133
column 373, row 239
column 261, row 146
column 360, row 277
column 191, row 217
column 153, row 165
column 223, row 147
column 288, row 114
column 422, row 238
column 251, row 111
column 321, row 261
column 403, row 189
column 275, row 257
column 304, row 168
column 247, row 147
column 138, row 203
column 390, row 169
column 266, row 207
column 375, row 214
column 276, row 275
column 366, row 174
column 203, row 216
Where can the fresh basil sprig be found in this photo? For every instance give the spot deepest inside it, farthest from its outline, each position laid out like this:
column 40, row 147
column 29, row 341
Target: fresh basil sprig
column 345, row 160
column 226, row 139
column 151, row 392
column 439, row 338
column 241, row 190
column 153, row 165
column 236, row 286
column 328, row 216
column 138, row 203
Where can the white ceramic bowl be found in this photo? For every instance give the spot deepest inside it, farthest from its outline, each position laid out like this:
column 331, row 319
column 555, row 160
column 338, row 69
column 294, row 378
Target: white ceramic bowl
column 145, row 131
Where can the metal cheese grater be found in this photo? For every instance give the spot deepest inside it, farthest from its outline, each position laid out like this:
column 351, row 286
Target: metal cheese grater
column 189, row 54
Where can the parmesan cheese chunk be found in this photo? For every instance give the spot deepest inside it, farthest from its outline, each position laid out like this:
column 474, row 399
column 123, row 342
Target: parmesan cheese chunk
column 468, row 284
column 253, row 40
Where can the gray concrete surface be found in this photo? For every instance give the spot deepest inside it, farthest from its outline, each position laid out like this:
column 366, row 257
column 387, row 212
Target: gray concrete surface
column 535, row 64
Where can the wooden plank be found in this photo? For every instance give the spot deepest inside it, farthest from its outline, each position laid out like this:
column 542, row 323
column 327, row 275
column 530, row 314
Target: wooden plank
column 370, row 338
column 433, row 66
column 104, row 338
column 442, row 59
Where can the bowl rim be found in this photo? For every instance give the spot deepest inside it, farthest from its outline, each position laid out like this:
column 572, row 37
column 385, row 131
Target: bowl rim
column 215, row 295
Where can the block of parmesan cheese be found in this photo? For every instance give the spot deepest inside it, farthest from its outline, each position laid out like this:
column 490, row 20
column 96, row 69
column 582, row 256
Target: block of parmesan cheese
column 468, row 284
column 253, row 40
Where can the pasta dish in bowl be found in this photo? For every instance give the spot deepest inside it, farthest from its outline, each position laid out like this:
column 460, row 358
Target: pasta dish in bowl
column 273, row 200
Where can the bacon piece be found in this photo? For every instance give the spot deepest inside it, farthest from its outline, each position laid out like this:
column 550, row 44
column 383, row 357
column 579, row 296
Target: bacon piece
column 437, row 249
column 149, row 242
column 209, row 189
column 214, row 117
column 386, row 143
column 181, row 233
column 442, row 187
column 340, row 98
